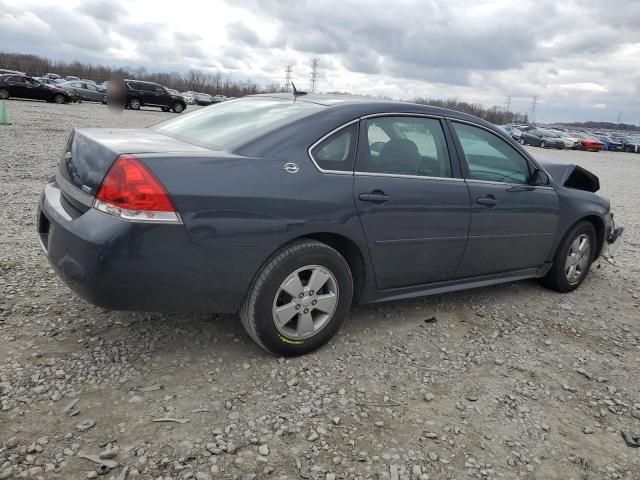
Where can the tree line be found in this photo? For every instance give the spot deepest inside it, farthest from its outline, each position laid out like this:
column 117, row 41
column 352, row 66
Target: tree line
column 213, row 83
column 495, row 115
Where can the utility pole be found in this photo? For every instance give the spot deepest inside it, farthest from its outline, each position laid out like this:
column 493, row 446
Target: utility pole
column 620, row 121
column 287, row 80
column 507, row 104
column 534, row 103
column 314, row 75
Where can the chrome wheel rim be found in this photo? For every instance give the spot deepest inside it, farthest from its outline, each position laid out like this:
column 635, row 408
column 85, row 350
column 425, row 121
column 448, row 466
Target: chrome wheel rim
column 59, row 99
column 178, row 108
column 305, row 302
column 578, row 258
column 135, row 104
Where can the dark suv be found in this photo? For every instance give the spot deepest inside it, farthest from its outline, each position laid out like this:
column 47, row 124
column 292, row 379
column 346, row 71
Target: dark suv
column 152, row 95
column 23, row 86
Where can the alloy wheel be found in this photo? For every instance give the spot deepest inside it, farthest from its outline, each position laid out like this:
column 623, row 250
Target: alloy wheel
column 4, row 94
column 578, row 258
column 305, row 302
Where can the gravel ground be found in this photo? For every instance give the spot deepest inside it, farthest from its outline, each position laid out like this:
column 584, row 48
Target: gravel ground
column 508, row 382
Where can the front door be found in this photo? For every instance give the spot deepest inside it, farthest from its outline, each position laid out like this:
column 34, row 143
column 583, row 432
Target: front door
column 413, row 205
column 513, row 223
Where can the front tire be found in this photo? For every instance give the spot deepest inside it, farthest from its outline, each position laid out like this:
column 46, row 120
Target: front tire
column 4, row 94
column 59, row 99
column 177, row 107
column 299, row 299
column 521, row 141
column 573, row 258
column 543, row 144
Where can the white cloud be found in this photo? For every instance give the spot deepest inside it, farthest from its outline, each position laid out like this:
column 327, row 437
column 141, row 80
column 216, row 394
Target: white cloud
column 573, row 54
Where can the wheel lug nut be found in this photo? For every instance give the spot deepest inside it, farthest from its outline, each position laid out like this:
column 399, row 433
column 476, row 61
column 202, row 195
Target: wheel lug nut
column 306, row 310
column 314, row 302
column 301, row 295
column 297, row 307
column 310, row 292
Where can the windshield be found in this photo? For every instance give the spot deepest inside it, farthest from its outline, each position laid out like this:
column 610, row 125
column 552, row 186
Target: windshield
column 225, row 123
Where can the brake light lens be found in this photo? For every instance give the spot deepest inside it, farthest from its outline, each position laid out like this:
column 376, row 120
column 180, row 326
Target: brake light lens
column 131, row 192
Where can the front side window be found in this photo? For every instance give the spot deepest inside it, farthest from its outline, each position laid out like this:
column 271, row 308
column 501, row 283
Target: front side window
column 489, row 157
column 406, row 145
column 337, row 151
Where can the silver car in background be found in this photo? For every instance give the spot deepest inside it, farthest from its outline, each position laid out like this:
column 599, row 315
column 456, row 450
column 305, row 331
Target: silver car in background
column 88, row 92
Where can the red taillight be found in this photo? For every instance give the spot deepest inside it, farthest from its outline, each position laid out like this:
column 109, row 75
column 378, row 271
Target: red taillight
column 130, row 191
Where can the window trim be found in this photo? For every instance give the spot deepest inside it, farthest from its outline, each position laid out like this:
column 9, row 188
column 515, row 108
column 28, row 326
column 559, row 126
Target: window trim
column 444, row 127
column 465, row 170
column 323, row 138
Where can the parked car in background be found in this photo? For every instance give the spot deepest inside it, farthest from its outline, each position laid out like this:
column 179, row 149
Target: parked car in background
column 47, row 81
column 541, row 138
column 610, row 144
column 69, row 78
column 513, row 131
column 570, row 141
column 202, row 213
column 140, row 94
column 218, row 98
column 631, row 144
column 189, row 97
column 590, row 143
column 4, row 70
column 88, row 92
column 203, row 99
column 52, row 76
column 23, row 86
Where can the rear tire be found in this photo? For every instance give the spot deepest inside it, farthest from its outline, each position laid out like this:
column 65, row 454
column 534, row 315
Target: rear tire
column 134, row 103
column 571, row 264
column 177, row 107
column 307, row 326
column 4, row 94
column 59, row 99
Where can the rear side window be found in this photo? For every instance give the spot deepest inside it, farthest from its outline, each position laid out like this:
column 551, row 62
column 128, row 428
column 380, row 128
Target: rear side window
column 337, row 152
column 489, row 157
column 405, row 145
column 227, row 123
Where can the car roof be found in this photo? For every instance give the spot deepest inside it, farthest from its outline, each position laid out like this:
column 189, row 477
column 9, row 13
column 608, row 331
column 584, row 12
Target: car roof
column 362, row 106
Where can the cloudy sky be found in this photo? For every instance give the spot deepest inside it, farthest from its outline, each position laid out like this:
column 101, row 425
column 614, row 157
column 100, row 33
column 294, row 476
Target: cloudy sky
column 581, row 57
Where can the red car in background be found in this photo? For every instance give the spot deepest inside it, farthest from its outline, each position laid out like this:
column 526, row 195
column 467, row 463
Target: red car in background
column 589, row 143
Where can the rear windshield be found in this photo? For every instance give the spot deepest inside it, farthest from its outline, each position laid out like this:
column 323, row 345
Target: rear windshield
column 226, row 123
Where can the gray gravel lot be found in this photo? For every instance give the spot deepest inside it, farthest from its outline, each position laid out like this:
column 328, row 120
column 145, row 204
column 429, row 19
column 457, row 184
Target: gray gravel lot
column 507, row 382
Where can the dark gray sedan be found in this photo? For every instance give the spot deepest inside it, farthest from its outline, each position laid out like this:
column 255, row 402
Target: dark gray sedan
column 292, row 210
column 86, row 91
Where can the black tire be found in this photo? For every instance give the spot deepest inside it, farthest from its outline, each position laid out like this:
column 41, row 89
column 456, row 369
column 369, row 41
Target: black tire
column 134, row 103
column 256, row 310
column 543, row 144
column 522, row 141
column 165, row 109
column 4, row 94
column 557, row 279
column 59, row 99
column 177, row 107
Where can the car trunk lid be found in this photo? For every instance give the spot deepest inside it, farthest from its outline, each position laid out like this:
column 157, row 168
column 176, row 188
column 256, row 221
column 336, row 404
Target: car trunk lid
column 90, row 152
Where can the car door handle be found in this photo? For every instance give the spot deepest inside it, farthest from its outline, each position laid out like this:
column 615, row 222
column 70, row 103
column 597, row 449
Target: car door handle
column 489, row 201
column 375, row 197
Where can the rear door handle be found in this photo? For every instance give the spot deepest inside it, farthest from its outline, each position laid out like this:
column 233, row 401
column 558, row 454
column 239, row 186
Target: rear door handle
column 489, row 201
column 375, row 197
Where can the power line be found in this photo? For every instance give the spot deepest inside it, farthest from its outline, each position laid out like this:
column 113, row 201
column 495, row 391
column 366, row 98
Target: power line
column 287, row 80
column 314, row 75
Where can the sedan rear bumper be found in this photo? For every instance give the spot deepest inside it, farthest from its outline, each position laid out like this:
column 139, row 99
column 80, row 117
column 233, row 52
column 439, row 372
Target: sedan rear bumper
column 122, row 265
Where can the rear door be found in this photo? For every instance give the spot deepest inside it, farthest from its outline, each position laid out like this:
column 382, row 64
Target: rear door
column 92, row 93
column 161, row 97
column 513, row 223
column 413, row 205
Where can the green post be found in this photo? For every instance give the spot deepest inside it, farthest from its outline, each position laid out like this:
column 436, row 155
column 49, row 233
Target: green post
column 3, row 114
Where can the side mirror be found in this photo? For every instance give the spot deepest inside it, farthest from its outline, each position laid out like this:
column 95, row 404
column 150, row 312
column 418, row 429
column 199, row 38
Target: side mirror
column 539, row 178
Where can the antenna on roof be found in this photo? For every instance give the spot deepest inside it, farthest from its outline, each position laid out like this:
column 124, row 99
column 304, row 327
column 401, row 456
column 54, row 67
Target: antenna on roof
column 296, row 92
